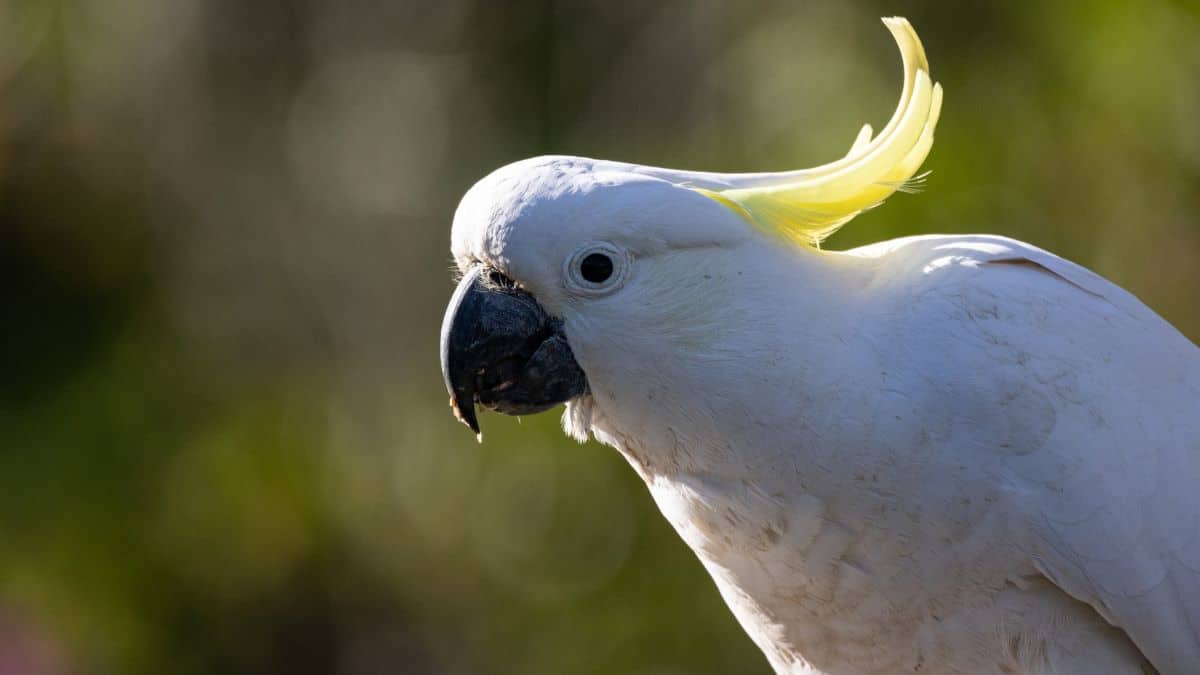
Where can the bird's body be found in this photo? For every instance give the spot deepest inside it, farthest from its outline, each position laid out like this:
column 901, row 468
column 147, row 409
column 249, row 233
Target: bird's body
column 967, row 419
column 954, row 454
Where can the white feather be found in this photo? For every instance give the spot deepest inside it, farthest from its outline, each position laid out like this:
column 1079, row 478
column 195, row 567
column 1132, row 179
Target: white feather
column 935, row 455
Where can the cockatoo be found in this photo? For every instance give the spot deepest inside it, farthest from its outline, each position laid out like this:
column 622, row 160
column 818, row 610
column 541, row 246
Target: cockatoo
column 937, row 454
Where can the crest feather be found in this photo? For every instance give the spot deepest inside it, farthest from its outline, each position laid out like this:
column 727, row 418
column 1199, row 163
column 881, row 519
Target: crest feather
column 807, row 206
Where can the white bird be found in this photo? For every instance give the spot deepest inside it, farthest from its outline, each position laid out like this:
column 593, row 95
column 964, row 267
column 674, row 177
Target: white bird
column 938, row 454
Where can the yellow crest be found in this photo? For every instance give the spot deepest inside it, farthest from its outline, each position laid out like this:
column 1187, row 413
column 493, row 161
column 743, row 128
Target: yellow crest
column 807, row 206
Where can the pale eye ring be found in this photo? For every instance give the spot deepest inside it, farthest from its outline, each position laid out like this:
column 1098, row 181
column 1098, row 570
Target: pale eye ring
column 597, row 268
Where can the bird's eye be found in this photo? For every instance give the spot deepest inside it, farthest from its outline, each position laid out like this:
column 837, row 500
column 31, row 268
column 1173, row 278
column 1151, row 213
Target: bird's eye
column 596, row 268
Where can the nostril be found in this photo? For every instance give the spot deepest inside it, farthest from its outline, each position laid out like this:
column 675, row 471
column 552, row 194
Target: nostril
column 499, row 279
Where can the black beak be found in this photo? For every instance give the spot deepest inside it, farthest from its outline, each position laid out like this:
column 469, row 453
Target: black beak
column 500, row 349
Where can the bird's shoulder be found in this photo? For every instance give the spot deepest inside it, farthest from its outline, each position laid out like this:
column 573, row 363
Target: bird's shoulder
column 928, row 263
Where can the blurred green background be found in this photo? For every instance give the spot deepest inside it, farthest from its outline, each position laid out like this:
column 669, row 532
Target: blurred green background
column 224, row 441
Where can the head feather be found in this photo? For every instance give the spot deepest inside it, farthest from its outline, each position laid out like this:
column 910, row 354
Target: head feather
column 808, row 205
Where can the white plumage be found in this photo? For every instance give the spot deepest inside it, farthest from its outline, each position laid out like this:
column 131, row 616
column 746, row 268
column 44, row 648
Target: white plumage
column 943, row 454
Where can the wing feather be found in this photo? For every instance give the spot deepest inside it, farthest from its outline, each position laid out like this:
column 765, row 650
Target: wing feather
column 1112, row 495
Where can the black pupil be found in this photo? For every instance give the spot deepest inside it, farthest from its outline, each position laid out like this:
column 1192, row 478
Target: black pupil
column 596, row 267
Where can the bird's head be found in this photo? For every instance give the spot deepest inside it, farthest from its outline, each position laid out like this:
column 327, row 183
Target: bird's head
column 576, row 272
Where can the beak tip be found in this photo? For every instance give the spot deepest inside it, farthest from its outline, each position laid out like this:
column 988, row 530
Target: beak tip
column 467, row 417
